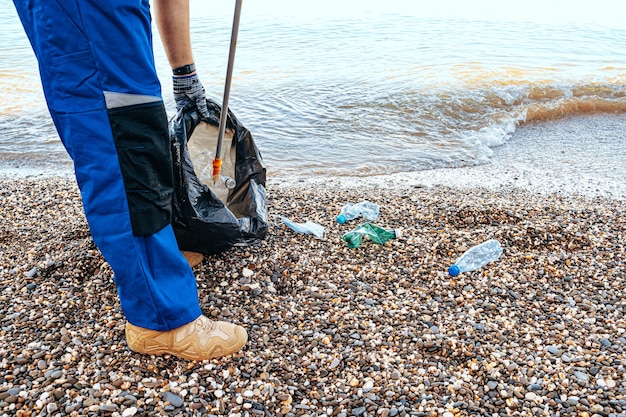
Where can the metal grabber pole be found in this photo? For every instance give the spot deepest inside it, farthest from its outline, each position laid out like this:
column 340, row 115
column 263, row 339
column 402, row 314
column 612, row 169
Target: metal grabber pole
column 217, row 162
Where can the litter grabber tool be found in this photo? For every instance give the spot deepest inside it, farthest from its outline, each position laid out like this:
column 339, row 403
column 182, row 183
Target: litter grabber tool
column 217, row 161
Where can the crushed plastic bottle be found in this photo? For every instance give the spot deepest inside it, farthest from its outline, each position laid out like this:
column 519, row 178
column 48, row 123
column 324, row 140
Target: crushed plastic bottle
column 307, row 227
column 476, row 257
column 350, row 211
column 374, row 233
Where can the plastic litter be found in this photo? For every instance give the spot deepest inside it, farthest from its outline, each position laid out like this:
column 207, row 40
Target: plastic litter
column 351, row 211
column 212, row 220
column 372, row 232
column 476, row 257
column 307, row 228
column 203, row 166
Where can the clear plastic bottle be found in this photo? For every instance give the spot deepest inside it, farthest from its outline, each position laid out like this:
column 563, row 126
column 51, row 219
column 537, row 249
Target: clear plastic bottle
column 476, row 257
column 351, row 211
column 202, row 164
column 374, row 233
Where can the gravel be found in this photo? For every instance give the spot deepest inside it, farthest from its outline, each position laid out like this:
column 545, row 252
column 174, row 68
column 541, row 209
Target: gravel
column 380, row 330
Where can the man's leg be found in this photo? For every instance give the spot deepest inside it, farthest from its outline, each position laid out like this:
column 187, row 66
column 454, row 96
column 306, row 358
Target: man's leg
column 100, row 83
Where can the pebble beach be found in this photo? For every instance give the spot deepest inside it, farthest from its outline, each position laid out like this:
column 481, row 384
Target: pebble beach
column 379, row 330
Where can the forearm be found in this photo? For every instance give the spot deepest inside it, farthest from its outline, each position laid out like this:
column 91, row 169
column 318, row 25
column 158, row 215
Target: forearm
column 172, row 19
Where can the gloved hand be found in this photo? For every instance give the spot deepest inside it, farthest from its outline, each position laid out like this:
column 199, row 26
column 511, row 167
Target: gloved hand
column 188, row 91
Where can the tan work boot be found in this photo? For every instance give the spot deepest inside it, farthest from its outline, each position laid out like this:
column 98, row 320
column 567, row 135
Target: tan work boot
column 199, row 340
column 193, row 258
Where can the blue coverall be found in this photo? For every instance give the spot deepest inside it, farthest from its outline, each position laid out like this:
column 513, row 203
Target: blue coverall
column 98, row 73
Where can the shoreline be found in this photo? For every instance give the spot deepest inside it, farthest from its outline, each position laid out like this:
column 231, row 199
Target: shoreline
column 543, row 158
column 380, row 330
column 577, row 155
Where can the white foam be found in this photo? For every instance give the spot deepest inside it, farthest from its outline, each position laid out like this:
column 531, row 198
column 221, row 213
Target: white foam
column 583, row 155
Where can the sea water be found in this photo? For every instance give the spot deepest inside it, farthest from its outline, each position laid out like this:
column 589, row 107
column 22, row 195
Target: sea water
column 360, row 88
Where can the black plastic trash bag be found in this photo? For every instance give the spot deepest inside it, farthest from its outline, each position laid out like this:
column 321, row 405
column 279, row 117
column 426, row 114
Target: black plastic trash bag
column 212, row 220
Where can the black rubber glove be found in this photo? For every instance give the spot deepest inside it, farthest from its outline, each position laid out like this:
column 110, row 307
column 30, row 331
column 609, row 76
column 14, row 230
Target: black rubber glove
column 188, row 92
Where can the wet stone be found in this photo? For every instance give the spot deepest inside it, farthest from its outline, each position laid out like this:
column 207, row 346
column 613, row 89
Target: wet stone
column 39, row 354
column 358, row 411
column 13, row 391
column 172, row 398
column 553, row 350
column 605, row 342
column 54, row 374
column 583, row 377
column 129, row 399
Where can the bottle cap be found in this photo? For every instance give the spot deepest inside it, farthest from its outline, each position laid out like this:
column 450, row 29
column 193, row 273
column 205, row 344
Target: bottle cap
column 398, row 233
column 454, row 270
column 230, row 183
column 341, row 219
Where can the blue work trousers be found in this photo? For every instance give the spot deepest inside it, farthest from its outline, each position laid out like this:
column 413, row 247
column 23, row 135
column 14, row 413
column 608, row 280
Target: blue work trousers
column 98, row 74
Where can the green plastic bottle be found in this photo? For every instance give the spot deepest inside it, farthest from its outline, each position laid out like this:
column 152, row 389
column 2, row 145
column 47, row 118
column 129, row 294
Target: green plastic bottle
column 374, row 233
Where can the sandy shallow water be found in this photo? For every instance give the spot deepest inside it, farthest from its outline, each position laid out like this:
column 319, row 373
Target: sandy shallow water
column 584, row 155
